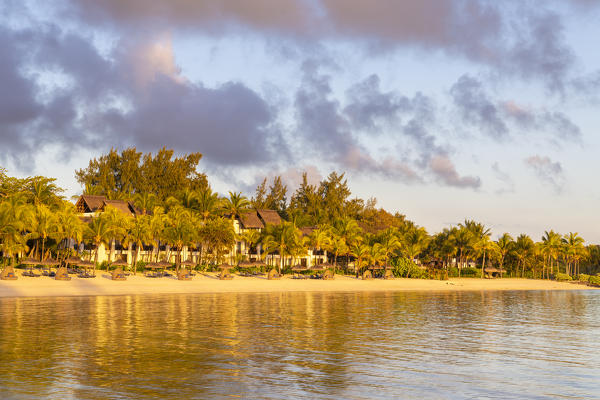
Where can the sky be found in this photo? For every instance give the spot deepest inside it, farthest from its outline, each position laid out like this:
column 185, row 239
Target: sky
column 440, row 109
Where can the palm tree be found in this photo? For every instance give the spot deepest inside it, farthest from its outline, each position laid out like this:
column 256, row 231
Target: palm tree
column 139, row 233
column 505, row 245
column 99, row 232
column 361, row 252
column 284, row 237
column 179, row 231
column 349, row 231
column 389, row 243
column 157, row 229
column 43, row 225
column 574, row 249
column 523, row 249
column 42, row 190
column 551, row 245
column 144, row 201
column 462, row 239
column 235, row 204
column 208, row 203
column 69, row 226
column 415, row 241
column 118, row 223
column 320, row 239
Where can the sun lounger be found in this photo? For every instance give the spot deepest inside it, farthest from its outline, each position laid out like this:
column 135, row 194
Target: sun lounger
column 30, row 274
column 86, row 275
column 225, row 275
column 8, row 274
column 118, row 275
column 62, row 275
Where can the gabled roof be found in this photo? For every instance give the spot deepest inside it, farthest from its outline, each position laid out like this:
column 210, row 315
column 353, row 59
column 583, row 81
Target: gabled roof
column 269, row 217
column 250, row 220
column 89, row 203
column 308, row 230
column 120, row 205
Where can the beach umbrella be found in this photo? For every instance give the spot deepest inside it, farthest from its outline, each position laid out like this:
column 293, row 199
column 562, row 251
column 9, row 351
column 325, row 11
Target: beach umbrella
column 299, row 267
column 73, row 260
column 246, row 264
column 319, row 267
column 225, row 266
column 119, row 263
column 49, row 262
column 188, row 263
column 376, row 267
column 30, row 261
column 153, row 265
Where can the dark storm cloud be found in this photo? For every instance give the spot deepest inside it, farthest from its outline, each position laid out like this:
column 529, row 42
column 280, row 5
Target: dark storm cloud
column 476, row 108
column 548, row 172
column 513, row 38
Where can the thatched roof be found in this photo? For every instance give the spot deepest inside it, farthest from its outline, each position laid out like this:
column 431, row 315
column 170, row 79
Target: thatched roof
column 88, row 203
column 120, row 205
column 269, row 217
column 250, row 220
column 308, row 230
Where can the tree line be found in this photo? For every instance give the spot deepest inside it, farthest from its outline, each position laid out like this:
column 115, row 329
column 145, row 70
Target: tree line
column 183, row 211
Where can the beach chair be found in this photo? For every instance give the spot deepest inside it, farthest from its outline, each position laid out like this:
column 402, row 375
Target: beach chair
column 328, row 275
column 184, row 275
column 388, row 274
column 273, row 275
column 118, row 275
column 8, row 274
column 62, row 274
column 367, row 275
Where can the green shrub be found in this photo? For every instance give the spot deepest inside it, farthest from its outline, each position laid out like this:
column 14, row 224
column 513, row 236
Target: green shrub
column 405, row 268
column 563, row 277
column 583, row 278
column 470, row 272
column 594, row 280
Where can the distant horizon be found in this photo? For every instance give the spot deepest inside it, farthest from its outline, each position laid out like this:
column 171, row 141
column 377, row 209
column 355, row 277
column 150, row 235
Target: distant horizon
column 440, row 110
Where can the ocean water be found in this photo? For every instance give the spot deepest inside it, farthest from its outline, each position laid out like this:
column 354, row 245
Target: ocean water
column 470, row 345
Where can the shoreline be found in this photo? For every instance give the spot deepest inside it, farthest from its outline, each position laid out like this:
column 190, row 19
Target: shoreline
column 102, row 285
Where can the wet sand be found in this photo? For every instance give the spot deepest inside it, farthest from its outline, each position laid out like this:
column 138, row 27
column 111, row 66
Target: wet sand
column 208, row 283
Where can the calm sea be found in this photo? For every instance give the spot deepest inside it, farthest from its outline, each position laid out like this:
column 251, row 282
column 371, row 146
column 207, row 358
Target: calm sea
column 500, row 345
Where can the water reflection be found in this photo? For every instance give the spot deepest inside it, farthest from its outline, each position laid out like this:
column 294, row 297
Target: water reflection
column 302, row 345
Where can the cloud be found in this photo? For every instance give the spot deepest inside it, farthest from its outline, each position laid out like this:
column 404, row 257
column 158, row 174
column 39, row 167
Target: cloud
column 445, row 172
column 476, row 109
column 512, row 38
column 323, row 126
column 504, row 178
column 555, row 124
column 135, row 96
column 548, row 172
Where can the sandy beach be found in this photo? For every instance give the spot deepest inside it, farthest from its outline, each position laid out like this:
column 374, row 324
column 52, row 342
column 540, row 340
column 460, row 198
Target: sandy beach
column 208, row 283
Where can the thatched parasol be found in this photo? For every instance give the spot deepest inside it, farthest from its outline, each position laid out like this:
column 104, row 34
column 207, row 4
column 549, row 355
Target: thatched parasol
column 74, row 260
column 165, row 264
column 320, row 267
column 49, row 262
column 153, row 265
column 225, row 266
column 246, row 264
column 376, row 267
column 119, row 263
column 30, row 261
column 188, row 263
column 297, row 268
